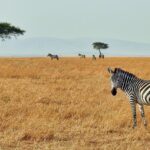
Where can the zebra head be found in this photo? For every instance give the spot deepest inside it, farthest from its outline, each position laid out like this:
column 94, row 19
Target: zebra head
column 115, row 80
column 49, row 54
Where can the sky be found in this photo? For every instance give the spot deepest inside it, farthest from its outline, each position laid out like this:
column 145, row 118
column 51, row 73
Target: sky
column 67, row 19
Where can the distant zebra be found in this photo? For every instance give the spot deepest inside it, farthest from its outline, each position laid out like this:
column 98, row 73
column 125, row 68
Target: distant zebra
column 53, row 56
column 137, row 90
column 101, row 55
column 93, row 57
column 81, row 55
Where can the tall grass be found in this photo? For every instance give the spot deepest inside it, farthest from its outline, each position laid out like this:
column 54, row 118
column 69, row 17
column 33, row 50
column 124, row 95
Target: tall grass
column 67, row 104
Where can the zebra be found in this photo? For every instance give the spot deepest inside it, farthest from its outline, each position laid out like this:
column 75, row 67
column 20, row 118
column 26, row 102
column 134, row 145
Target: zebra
column 81, row 55
column 53, row 56
column 101, row 55
column 93, row 57
column 136, row 89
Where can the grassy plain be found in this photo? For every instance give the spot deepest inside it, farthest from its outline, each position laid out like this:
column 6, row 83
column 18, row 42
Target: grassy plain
column 67, row 104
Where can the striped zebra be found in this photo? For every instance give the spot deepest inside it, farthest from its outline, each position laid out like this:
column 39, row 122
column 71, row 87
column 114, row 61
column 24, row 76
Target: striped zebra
column 101, row 55
column 81, row 55
column 53, row 56
column 93, row 57
column 137, row 90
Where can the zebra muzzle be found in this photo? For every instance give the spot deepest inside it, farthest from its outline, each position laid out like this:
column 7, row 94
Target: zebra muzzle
column 113, row 91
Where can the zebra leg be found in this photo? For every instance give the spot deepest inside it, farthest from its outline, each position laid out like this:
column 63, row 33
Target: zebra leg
column 141, row 108
column 133, row 109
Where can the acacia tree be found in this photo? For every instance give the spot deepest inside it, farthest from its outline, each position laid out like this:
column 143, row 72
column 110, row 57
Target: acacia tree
column 99, row 45
column 7, row 31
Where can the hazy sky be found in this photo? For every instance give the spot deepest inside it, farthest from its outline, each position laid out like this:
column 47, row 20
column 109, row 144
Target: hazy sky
column 117, row 19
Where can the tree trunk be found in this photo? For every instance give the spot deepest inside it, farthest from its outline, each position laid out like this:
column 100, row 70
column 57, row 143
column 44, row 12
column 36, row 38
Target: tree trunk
column 100, row 54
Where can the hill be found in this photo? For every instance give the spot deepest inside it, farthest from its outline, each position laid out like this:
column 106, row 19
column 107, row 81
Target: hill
column 70, row 47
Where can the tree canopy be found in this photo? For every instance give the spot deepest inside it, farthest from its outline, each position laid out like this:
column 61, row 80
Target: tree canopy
column 7, row 31
column 100, row 45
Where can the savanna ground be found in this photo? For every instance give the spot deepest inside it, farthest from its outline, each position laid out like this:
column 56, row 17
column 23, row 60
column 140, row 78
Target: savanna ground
column 67, row 104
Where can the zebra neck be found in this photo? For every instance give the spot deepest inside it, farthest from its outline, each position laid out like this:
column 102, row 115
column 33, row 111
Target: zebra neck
column 128, row 82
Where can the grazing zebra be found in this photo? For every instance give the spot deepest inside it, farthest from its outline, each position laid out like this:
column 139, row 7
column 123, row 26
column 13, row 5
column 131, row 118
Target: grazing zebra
column 53, row 56
column 81, row 55
column 137, row 90
column 93, row 57
column 101, row 55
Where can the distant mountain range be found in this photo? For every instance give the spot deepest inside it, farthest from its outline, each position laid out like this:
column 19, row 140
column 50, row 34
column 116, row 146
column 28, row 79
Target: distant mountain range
column 70, row 47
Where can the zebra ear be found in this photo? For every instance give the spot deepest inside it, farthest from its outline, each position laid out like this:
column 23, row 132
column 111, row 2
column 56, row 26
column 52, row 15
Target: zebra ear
column 110, row 70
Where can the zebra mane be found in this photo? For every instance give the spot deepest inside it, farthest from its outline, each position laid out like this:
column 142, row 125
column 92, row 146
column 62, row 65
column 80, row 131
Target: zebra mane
column 118, row 70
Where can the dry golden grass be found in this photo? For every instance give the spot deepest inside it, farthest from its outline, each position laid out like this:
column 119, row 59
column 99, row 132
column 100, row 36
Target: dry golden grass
column 67, row 104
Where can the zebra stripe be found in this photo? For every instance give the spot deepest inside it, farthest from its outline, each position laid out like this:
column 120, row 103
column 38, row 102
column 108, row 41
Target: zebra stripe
column 138, row 90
